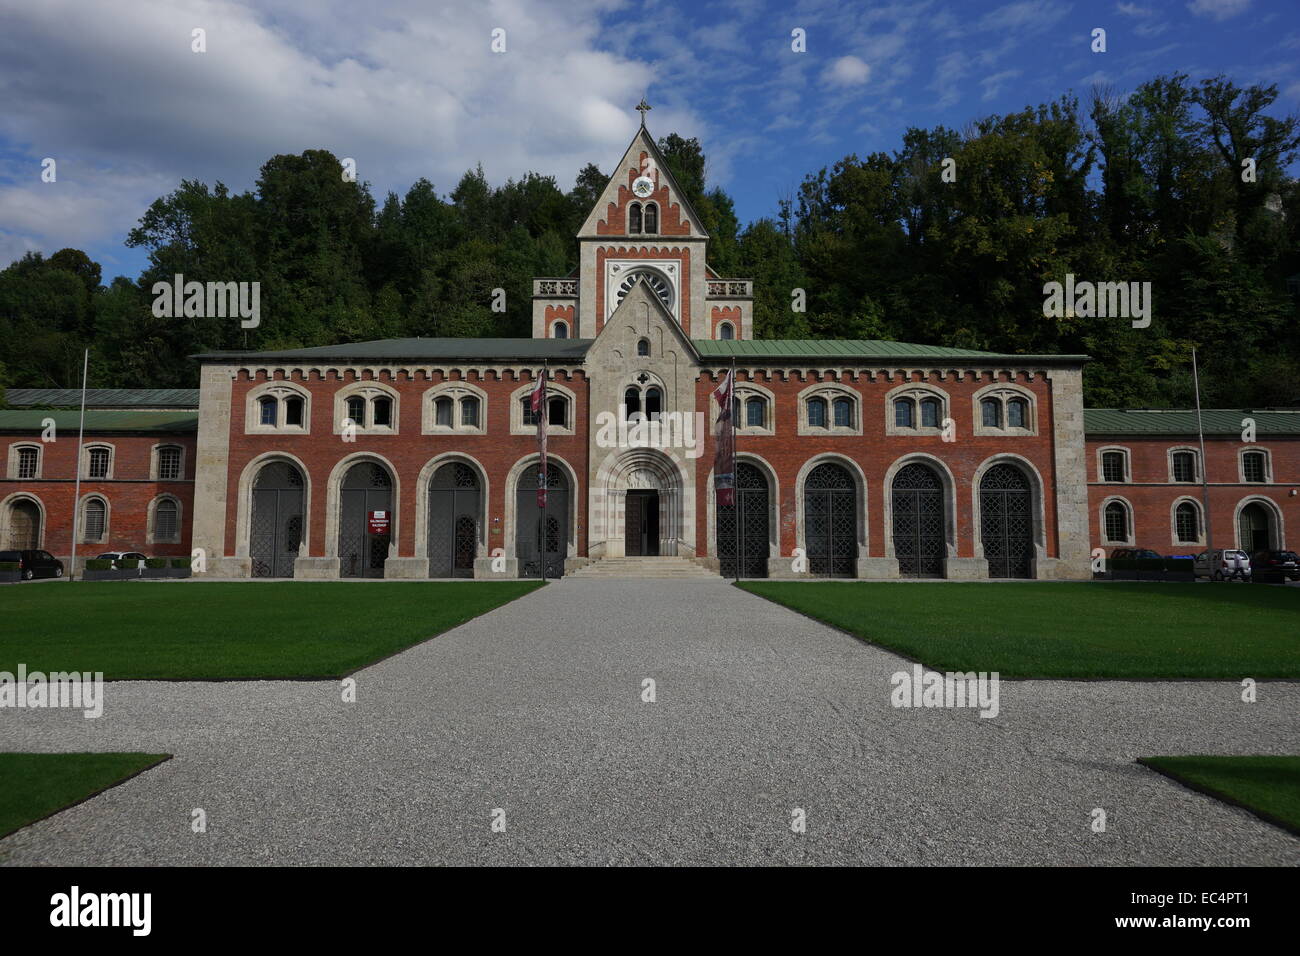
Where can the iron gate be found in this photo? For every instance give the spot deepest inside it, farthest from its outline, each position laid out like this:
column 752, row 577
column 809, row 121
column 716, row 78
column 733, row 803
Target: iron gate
column 367, row 487
column 1006, row 522
column 919, row 543
column 276, row 527
column 751, row 512
column 535, row 542
column 830, row 521
column 453, row 521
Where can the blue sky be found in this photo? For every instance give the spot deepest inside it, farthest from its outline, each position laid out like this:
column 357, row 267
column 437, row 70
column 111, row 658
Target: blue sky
column 114, row 93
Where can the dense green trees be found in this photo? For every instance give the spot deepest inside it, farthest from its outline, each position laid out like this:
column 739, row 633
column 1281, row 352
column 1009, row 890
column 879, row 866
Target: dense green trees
column 1147, row 187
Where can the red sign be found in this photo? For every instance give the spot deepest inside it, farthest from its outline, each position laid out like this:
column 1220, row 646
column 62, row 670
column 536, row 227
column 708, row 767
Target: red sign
column 378, row 522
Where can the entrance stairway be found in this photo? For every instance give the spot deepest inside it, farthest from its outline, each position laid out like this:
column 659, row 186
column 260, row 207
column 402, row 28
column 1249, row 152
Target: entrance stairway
column 647, row 567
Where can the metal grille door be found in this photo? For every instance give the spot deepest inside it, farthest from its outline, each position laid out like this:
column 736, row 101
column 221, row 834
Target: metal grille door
column 275, row 531
column 533, row 544
column 751, row 511
column 1006, row 522
column 367, row 487
column 454, row 501
column 830, row 521
column 918, row 522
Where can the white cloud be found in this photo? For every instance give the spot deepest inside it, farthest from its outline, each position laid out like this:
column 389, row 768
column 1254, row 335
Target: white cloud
column 1218, row 9
column 847, row 71
column 993, row 84
column 1025, row 16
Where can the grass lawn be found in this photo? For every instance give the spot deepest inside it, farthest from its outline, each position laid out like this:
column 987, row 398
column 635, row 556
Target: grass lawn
column 1269, row 787
column 196, row 631
column 36, row 785
column 1066, row 630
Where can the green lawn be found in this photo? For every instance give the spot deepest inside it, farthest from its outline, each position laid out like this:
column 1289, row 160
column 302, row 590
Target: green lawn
column 1065, row 630
column 1266, row 786
column 36, row 785
column 196, row 631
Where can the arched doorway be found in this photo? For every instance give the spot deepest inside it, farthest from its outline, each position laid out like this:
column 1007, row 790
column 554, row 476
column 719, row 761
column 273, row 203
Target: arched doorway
column 830, row 529
column 454, row 508
column 24, row 525
column 745, row 524
column 276, row 527
column 541, row 538
column 367, row 492
column 917, row 504
column 1006, row 522
column 1255, row 528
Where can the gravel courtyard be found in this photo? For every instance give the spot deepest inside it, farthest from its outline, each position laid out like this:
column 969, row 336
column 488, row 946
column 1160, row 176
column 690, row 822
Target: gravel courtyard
column 536, row 708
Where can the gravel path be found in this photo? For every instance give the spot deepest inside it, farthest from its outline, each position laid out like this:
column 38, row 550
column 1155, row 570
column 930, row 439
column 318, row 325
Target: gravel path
column 536, row 708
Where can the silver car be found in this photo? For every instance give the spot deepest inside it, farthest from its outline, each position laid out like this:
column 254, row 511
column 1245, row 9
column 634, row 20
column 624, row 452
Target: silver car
column 1222, row 564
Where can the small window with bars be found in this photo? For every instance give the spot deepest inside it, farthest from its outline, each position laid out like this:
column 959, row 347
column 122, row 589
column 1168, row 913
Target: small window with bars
column 1184, row 466
column 1254, row 466
column 1112, row 466
column 843, row 409
column 817, row 412
column 29, row 460
column 1187, row 522
column 169, row 464
column 1116, row 522
column 94, row 520
column 167, row 520
column 98, row 463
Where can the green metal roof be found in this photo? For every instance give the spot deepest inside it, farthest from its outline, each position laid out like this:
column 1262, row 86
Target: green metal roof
column 874, row 349
column 104, row 397
column 98, row 420
column 1182, row 421
column 410, row 350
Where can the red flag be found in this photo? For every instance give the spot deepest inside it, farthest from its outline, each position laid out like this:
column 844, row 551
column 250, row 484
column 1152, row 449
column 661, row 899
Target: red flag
column 537, row 404
column 724, row 447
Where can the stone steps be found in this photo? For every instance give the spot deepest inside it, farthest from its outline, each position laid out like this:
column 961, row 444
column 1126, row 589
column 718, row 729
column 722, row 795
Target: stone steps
column 643, row 567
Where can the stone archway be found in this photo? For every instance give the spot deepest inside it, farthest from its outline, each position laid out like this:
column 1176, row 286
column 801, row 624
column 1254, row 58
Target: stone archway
column 24, row 525
column 639, row 506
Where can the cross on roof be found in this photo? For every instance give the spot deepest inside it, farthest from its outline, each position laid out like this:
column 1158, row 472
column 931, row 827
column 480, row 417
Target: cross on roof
column 643, row 107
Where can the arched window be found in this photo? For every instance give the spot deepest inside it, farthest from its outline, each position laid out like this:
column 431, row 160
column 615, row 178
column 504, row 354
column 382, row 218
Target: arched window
column 1116, row 522
column 1184, row 466
column 166, row 521
column 817, row 412
column 726, row 331
column 269, row 411
column 632, row 399
column 1017, row 413
column 991, row 413
column 651, row 217
column 561, row 330
column 98, row 462
column 293, row 412
column 29, row 459
column 756, row 413
column 469, row 412
column 654, row 402
column 357, row 411
column 634, row 218
column 904, row 413
column 169, row 463
column 1187, row 523
column 94, row 520
column 1254, row 466
column 1112, row 466
column 643, row 347
column 442, row 412
column 382, row 408
column 929, row 413
column 843, row 410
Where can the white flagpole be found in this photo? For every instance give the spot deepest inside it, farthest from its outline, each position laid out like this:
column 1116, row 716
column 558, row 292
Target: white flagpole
column 1205, row 483
column 76, row 494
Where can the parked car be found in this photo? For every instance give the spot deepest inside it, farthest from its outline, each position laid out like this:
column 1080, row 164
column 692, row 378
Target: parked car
column 1275, row 565
column 1222, row 564
column 1133, row 554
column 124, row 556
column 34, row 564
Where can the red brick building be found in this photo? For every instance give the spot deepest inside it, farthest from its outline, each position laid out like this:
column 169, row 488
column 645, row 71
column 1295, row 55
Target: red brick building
column 416, row 458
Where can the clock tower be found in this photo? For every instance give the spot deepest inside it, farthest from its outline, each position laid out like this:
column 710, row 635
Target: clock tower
column 642, row 229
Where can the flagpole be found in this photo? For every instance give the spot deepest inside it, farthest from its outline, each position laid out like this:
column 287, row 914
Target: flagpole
column 735, row 468
column 76, row 493
column 1205, row 482
column 543, row 479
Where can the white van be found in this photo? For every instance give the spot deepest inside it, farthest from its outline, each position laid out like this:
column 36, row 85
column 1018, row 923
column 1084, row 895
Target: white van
column 1222, row 564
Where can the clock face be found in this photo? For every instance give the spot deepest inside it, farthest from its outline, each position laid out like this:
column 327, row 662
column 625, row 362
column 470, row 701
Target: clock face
column 643, row 186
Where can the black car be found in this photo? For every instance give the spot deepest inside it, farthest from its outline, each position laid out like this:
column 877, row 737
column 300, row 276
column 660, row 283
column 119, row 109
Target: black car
column 34, row 564
column 1276, row 565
